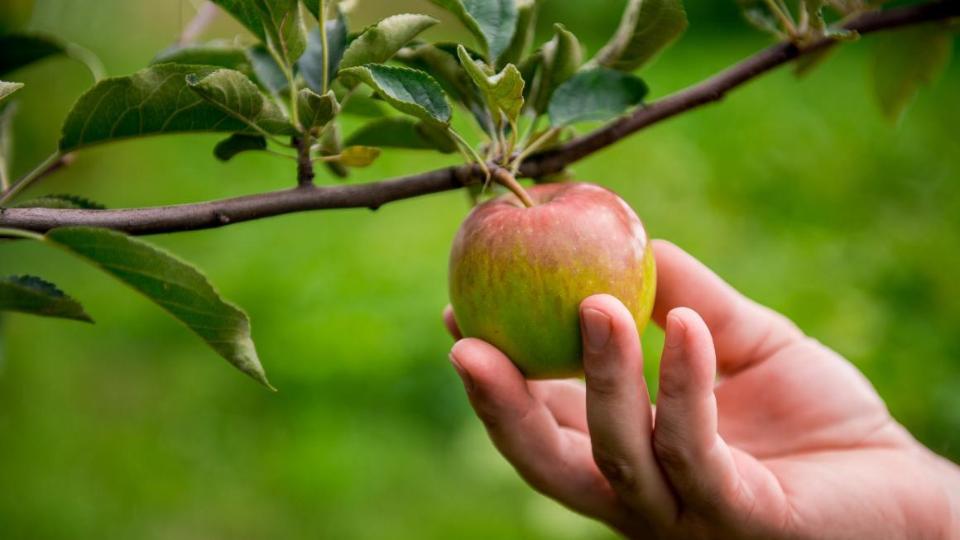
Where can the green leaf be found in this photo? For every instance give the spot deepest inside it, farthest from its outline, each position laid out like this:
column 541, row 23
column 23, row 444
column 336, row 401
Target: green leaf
column 358, row 156
column 380, row 42
column 266, row 71
column 19, row 50
column 560, row 59
column 14, row 15
column 214, row 53
column 7, row 88
column 30, row 294
column 276, row 22
column 646, row 28
column 503, row 91
column 311, row 63
column 409, row 91
column 904, row 61
column 158, row 100
column 316, row 110
column 492, row 22
column 440, row 61
column 236, row 95
column 236, row 143
column 402, row 132
column 595, row 94
column 172, row 284
column 62, row 201
column 313, row 6
column 522, row 36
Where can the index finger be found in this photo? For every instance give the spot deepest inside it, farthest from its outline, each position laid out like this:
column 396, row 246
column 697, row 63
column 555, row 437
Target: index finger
column 744, row 332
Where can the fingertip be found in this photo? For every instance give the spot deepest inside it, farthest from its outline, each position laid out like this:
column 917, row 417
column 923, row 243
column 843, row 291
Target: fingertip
column 689, row 361
column 477, row 356
column 450, row 322
column 494, row 382
column 620, row 318
column 675, row 331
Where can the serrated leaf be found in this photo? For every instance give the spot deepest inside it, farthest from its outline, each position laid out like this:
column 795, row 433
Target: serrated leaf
column 502, row 91
column 560, row 58
column 62, row 200
column 316, row 110
column 904, row 61
column 158, row 100
column 266, row 71
column 646, row 28
column 172, row 284
column 409, row 91
column 358, row 156
column 522, row 35
column 276, row 22
column 595, row 94
column 380, row 42
column 402, row 132
column 7, row 88
column 14, row 15
column 236, row 95
column 33, row 295
column 215, row 53
column 226, row 149
column 492, row 22
column 311, row 63
column 440, row 61
column 19, row 50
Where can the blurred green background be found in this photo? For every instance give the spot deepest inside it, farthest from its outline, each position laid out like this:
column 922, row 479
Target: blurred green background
column 796, row 191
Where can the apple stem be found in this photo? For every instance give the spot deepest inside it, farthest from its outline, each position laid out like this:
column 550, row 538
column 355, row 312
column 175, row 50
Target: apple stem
column 507, row 180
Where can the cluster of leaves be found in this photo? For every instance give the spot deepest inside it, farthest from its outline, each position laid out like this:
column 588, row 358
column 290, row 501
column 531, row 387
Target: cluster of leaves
column 284, row 88
column 903, row 61
column 284, row 91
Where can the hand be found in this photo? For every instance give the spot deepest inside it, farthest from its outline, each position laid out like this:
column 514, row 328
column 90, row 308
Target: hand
column 791, row 441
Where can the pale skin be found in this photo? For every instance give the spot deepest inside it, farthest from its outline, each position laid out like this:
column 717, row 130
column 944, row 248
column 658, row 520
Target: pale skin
column 759, row 431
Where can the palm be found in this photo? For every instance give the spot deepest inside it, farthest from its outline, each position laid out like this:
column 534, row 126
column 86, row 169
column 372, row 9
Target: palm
column 790, row 442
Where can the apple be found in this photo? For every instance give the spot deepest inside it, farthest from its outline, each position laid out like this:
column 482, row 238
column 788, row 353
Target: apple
column 518, row 274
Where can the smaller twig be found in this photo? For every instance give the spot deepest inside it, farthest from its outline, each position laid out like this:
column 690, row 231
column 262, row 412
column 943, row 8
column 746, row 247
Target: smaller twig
column 305, row 172
column 87, row 58
column 472, row 153
column 6, row 232
column 531, row 148
column 507, row 180
column 783, row 16
column 53, row 163
column 205, row 16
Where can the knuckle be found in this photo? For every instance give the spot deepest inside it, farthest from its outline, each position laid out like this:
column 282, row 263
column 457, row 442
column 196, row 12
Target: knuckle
column 670, row 454
column 617, row 470
column 602, row 382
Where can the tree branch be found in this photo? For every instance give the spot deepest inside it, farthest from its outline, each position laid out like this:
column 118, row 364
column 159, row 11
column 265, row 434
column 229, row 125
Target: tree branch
column 372, row 195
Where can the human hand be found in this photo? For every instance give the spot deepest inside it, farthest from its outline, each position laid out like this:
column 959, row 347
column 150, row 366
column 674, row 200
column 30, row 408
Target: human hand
column 791, row 441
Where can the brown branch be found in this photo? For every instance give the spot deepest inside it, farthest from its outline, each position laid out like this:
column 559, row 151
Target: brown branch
column 372, row 195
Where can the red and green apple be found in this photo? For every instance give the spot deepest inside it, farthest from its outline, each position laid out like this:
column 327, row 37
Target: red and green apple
column 518, row 274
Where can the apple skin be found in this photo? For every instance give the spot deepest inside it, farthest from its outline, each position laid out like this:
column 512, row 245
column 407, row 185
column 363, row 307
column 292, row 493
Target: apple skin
column 518, row 275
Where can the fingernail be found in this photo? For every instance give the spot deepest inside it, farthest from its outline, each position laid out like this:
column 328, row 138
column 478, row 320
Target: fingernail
column 675, row 332
column 596, row 326
column 464, row 374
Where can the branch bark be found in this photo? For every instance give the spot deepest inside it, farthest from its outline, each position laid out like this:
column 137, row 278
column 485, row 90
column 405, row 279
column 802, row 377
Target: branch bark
column 186, row 217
